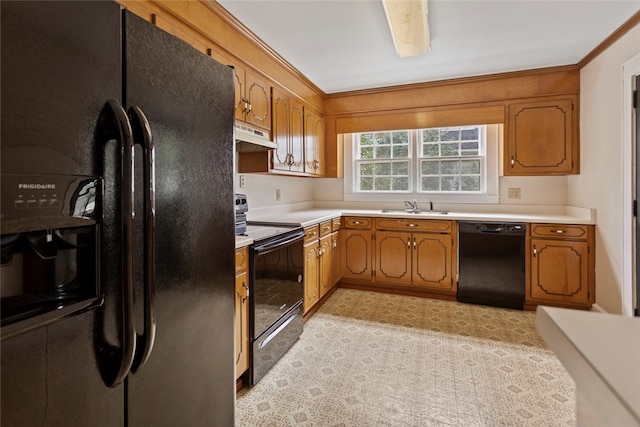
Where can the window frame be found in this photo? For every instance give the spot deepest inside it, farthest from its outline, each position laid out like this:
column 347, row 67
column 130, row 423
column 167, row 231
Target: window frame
column 493, row 139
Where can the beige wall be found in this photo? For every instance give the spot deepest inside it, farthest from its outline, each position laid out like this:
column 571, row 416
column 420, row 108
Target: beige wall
column 599, row 186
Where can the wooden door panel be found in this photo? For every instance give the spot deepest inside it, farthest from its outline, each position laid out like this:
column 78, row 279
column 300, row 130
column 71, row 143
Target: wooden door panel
column 357, row 254
column 432, row 260
column 559, row 270
column 393, row 257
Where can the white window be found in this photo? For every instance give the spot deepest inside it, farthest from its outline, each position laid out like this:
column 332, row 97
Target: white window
column 453, row 164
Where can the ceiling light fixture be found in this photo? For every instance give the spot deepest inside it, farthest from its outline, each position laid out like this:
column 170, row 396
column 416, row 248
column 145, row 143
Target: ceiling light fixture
column 409, row 27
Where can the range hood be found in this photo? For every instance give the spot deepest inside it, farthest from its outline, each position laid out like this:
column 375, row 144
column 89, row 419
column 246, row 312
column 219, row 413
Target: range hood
column 249, row 139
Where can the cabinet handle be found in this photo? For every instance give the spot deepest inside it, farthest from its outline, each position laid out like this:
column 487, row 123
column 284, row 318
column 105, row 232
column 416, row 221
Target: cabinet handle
column 513, row 161
column 356, row 222
column 535, row 251
column 244, row 284
column 414, row 243
column 408, row 243
column 557, row 231
column 250, row 107
column 412, row 225
column 335, row 243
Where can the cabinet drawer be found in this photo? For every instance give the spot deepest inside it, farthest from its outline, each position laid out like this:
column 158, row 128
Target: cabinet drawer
column 560, row 230
column 241, row 260
column 335, row 224
column 325, row 228
column 311, row 233
column 436, row 226
column 357, row 222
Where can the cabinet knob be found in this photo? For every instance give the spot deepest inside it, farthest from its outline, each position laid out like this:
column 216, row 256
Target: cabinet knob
column 412, row 225
column 535, row 251
column 513, row 162
column 356, row 222
column 408, row 242
column 557, row 231
column 414, row 243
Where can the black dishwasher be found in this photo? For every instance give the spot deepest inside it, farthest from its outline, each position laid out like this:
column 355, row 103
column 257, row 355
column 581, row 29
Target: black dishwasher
column 492, row 263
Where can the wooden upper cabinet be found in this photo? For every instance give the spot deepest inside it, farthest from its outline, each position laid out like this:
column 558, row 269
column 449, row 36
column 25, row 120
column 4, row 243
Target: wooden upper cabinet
column 542, row 137
column 252, row 98
column 287, row 126
column 313, row 143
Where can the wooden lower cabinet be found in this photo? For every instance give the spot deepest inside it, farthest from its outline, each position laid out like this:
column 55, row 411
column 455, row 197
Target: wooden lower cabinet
column 336, row 252
column 242, row 312
column 357, row 245
column 317, row 263
column 311, row 286
column 422, row 259
column 561, row 270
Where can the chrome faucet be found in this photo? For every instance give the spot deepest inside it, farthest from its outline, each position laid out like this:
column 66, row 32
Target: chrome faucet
column 413, row 206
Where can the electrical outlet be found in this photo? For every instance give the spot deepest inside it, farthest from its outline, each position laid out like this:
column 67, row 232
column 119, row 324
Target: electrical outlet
column 241, row 181
column 514, row 193
column 277, row 194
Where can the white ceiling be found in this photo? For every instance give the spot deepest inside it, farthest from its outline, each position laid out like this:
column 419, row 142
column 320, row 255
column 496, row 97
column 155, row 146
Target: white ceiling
column 343, row 45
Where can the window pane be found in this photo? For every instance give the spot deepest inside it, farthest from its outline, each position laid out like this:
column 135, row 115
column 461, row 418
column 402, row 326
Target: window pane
column 450, row 149
column 449, row 183
column 470, row 167
column 382, row 183
column 400, row 168
column 381, row 138
column 400, row 183
column 383, row 152
column 431, row 150
column 450, row 135
column 400, row 151
column 469, row 148
column 468, row 134
column 366, row 184
column 430, row 135
column 470, row 183
column 366, row 169
column 449, row 167
column 430, row 183
column 400, row 137
column 366, row 153
column 431, row 167
column 383, row 168
column 366, row 139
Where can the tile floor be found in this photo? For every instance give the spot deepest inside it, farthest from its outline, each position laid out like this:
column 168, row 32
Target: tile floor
column 374, row 359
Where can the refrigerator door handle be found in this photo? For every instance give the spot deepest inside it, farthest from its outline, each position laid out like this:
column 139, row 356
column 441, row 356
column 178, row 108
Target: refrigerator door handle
column 142, row 135
column 124, row 135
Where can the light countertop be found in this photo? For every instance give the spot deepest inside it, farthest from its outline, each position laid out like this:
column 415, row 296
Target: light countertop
column 313, row 216
column 601, row 352
column 242, row 241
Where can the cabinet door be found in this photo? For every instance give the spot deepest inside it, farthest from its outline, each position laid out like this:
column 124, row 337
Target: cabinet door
column 242, row 323
column 311, row 288
column 312, row 132
column 336, row 257
column 319, row 138
column 296, row 135
column 258, row 94
column 559, row 271
column 393, row 257
column 541, row 138
column 357, row 254
column 280, row 130
column 324, row 273
column 432, row 260
column 240, row 100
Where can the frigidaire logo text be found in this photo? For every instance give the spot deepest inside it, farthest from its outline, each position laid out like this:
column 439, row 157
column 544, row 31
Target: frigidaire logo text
column 36, row 186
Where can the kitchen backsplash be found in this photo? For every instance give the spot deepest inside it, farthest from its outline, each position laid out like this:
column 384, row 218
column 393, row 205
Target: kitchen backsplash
column 268, row 190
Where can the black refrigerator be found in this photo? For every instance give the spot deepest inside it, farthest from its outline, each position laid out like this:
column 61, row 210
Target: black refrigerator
column 145, row 336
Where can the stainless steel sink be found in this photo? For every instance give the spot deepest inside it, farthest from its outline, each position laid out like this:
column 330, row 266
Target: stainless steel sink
column 411, row 211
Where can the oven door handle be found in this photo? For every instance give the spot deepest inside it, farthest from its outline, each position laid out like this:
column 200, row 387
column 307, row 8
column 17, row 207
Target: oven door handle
column 278, row 243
